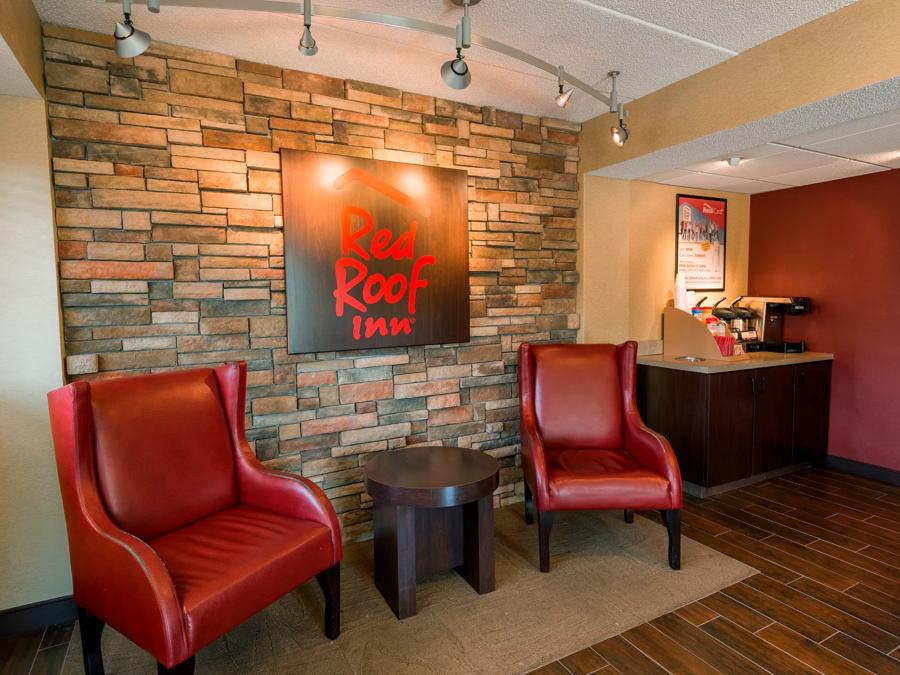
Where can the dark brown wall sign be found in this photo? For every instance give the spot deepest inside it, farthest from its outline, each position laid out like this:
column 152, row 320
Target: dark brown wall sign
column 376, row 253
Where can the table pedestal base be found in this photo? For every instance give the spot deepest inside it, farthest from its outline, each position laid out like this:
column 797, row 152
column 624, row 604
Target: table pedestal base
column 412, row 543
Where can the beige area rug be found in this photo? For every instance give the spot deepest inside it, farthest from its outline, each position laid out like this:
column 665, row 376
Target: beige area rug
column 606, row 576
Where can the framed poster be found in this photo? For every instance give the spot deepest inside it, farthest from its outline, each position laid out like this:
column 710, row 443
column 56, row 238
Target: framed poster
column 376, row 253
column 700, row 224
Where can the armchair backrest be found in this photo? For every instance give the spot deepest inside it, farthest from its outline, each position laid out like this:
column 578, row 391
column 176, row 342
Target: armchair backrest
column 576, row 392
column 162, row 453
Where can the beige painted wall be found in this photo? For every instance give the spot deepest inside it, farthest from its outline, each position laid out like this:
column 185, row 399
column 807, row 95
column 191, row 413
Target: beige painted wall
column 627, row 261
column 33, row 550
column 603, row 259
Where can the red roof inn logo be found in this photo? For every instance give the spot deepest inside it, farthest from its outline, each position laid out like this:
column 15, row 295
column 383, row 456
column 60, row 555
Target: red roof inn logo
column 352, row 272
column 376, row 253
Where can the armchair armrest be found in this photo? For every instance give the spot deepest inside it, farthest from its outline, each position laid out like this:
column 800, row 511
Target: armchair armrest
column 645, row 445
column 653, row 451
column 116, row 576
column 534, row 461
column 287, row 494
column 264, row 488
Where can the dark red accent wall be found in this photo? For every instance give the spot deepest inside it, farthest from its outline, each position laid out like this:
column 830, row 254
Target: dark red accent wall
column 839, row 243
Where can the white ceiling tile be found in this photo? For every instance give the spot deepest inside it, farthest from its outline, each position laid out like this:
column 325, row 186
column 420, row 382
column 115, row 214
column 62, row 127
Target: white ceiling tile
column 736, row 24
column 766, row 186
column 890, row 159
column 842, row 168
column 711, row 181
column 855, row 126
column 667, row 175
column 720, row 164
column 776, row 163
column 869, row 146
column 781, row 160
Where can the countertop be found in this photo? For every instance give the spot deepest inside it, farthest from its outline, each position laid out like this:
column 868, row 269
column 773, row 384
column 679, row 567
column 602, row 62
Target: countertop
column 729, row 364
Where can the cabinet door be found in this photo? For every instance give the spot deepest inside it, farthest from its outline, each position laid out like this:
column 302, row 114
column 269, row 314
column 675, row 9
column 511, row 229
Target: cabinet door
column 674, row 403
column 774, row 419
column 812, row 396
column 730, row 427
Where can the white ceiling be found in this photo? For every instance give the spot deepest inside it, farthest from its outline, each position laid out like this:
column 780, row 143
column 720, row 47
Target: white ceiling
column 652, row 42
column 852, row 148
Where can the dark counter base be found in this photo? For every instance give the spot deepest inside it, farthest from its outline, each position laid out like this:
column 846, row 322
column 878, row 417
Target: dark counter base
column 701, row 492
column 734, row 428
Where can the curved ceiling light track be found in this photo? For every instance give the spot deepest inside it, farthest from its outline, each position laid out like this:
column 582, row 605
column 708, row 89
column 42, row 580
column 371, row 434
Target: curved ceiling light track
column 274, row 6
column 308, row 45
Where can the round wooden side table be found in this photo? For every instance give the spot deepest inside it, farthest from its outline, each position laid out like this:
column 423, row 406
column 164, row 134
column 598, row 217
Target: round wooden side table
column 433, row 511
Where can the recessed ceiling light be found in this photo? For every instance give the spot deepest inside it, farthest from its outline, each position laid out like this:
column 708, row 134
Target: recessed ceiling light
column 734, row 161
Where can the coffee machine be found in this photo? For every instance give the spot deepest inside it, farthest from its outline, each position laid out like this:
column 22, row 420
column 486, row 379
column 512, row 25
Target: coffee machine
column 762, row 327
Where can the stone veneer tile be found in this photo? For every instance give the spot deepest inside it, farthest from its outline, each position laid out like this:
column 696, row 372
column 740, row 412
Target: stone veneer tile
column 169, row 223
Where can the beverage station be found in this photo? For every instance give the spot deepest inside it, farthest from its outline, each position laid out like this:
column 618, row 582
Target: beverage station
column 752, row 324
column 738, row 403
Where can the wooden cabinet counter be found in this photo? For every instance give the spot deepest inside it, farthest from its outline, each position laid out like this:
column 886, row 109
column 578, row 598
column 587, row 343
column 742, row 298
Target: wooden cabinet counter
column 733, row 422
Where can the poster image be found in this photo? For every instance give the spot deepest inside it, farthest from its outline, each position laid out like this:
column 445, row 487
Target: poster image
column 700, row 241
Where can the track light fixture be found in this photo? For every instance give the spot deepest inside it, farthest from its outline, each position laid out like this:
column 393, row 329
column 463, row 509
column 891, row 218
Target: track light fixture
column 129, row 40
column 565, row 95
column 619, row 132
column 456, row 72
column 307, row 46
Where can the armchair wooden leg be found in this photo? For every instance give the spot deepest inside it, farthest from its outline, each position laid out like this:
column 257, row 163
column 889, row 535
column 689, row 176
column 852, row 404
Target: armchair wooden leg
column 330, row 583
column 672, row 520
column 183, row 668
column 91, row 628
column 529, row 505
column 545, row 523
column 629, row 516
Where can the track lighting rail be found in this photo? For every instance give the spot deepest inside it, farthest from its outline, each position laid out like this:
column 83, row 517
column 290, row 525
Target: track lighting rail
column 385, row 20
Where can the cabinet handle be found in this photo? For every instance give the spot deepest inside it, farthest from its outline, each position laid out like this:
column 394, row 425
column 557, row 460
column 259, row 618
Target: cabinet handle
column 763, row 381
column 753, row 385
column 801, row 377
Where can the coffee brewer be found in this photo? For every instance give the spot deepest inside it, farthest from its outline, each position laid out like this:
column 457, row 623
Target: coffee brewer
column 758, row 322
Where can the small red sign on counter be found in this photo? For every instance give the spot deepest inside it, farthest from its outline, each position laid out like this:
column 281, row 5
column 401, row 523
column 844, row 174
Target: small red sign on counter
column 376, row 253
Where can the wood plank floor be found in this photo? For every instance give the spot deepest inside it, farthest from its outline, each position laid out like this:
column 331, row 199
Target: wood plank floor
column 36, row 653
column 827, row 599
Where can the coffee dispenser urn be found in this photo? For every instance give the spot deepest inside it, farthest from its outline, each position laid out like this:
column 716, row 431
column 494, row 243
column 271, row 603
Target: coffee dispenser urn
column 765, row 330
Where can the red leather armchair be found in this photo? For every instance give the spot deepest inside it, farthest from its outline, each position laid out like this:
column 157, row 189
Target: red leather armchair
column 177, row 533
column 584, row 445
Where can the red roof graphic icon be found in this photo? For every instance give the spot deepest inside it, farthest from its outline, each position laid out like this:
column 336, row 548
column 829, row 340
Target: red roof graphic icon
column 357, row 175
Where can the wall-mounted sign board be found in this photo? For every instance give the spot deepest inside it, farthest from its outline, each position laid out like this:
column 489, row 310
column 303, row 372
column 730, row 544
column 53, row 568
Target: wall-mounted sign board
column 700, row 224
column 376, row 253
